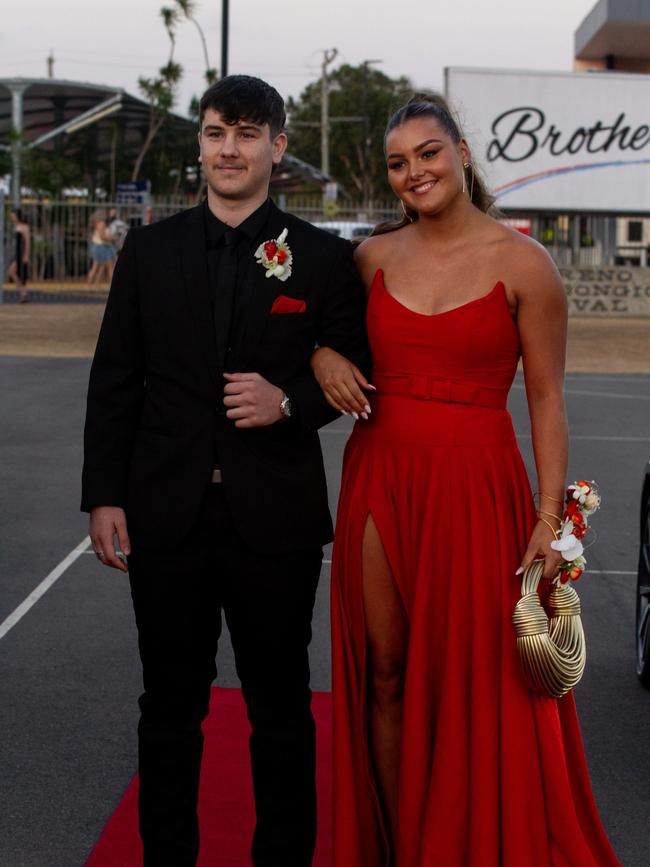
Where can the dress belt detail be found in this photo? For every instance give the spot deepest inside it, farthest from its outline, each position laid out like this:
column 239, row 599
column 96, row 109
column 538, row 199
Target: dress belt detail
column 445, row 390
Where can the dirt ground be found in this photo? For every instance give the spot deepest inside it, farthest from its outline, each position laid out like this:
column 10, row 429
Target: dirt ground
column 609, row 345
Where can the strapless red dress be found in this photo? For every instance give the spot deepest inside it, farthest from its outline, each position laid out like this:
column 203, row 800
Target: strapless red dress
column 491, row 775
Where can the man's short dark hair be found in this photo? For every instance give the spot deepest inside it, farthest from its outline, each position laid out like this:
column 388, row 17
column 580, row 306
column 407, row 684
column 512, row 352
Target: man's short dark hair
column 244, row 97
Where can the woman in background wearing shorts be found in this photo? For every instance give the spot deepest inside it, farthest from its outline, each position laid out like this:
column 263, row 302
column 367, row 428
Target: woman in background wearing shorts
column 102, row 251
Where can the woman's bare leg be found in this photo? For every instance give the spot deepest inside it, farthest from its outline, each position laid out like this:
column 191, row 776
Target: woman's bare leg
column 92, row 274
column 387, row 636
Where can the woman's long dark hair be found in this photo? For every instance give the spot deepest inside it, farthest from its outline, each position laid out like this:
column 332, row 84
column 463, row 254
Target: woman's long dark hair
column 436, row 106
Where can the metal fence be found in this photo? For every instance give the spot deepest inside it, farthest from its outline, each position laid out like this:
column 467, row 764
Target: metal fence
column 61, row 231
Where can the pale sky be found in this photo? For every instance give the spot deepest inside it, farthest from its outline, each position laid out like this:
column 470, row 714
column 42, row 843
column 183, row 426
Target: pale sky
column 114, row 41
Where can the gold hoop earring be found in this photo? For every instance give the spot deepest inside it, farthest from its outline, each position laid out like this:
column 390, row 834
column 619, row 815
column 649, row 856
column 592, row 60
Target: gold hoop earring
column 471, row 187
column 405, row 212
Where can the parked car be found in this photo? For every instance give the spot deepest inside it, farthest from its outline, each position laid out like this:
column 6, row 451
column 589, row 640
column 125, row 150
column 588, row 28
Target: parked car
column 351, row 230
column 643, row 587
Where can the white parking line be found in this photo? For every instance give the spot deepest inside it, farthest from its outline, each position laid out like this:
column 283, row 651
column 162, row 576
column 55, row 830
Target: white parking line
column 597, row 438
column 608, row 572
column 42, row 588
column 607, row 394
column 82, row 548
column 596, row 393
column 632, row 378
column 587, row 571
column 339, row 432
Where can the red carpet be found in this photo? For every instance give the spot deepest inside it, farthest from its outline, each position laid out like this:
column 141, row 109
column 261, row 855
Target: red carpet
column 226, row 799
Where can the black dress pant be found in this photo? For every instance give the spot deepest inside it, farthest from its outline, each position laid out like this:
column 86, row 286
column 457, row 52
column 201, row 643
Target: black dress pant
column 268, row 601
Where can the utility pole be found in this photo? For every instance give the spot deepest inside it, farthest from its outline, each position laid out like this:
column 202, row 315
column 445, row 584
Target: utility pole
column 224, row 38
column 50, row 65
column 328, row 57
column 366, row 133
column 17, row 115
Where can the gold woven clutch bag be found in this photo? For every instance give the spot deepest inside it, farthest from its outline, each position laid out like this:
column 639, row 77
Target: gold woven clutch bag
column 551, row 648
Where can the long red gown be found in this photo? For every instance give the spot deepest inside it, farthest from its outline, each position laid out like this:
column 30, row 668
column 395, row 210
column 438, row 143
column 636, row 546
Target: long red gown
column 491, row 775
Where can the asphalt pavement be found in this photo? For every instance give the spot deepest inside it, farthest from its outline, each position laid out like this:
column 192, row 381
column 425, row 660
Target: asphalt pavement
column 70, row 674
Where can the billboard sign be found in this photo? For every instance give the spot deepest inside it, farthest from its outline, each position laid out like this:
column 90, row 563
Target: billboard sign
column 558, row 141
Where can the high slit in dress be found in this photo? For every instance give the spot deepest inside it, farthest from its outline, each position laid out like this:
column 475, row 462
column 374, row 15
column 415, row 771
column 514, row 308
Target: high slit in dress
column 491, row 775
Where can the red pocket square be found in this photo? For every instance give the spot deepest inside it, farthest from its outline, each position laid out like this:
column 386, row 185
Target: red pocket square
column 284, row 304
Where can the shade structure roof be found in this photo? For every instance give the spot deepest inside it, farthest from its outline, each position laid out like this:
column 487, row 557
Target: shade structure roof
column 620, row 28
column 54, row 110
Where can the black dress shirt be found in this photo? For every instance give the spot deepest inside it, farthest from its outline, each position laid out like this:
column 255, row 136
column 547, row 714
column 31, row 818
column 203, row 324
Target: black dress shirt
column 250, row 232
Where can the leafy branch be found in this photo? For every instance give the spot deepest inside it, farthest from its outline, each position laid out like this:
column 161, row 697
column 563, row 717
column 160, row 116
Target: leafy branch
column 188, row 10
column 160, row 93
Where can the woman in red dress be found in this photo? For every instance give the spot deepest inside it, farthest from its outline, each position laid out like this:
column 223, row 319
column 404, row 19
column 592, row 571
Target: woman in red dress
column 443, row 756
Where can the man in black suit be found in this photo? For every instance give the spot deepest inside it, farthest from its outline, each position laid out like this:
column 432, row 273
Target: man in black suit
column 222, row 489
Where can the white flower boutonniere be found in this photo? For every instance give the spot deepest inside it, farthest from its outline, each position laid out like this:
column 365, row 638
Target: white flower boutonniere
column 276, row 257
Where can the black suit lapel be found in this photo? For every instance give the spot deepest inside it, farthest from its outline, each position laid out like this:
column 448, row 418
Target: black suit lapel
column 197, row 286
column 257, row 290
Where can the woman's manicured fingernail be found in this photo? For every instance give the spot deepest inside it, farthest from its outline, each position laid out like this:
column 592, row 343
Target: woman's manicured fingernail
column 367, row 408
column 344, row 412
column 355, row 416
column 364, row 415
column 519, row 571
column 372, row 387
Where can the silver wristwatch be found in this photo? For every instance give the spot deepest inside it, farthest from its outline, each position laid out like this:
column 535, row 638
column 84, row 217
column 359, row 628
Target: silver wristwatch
column 285, row 406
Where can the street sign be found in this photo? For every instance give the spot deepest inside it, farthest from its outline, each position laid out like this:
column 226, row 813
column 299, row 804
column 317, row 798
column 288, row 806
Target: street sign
column 133, row 193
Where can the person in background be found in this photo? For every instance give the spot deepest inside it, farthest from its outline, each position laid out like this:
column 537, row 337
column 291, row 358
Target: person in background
column 102, row 251
column 18, row 271
column 116, row 229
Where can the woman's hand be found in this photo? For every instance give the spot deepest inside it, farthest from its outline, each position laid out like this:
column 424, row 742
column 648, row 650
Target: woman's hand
column 540, row 546
column 341, row 382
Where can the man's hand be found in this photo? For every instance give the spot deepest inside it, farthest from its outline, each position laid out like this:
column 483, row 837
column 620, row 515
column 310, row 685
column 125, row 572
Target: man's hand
column 252, row 401
column 106, row 522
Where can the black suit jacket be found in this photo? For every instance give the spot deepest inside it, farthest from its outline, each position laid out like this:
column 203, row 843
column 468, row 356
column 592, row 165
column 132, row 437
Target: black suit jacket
column 154, row 410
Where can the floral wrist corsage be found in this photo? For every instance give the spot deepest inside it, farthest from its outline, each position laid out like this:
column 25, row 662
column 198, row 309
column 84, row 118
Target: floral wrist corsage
column 582, row 500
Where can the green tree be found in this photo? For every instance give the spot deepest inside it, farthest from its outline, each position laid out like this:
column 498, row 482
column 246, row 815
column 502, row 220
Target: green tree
column 188, row 9
column 48, row 171
column 170, row 17
column 160, row 93
column 366, row 97
column 166, row 164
